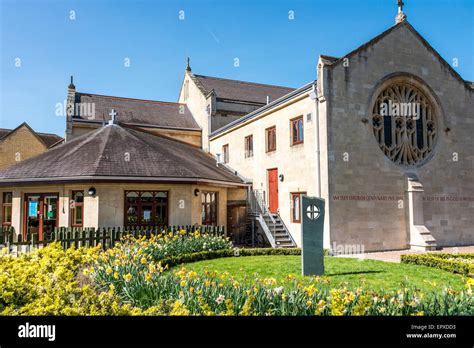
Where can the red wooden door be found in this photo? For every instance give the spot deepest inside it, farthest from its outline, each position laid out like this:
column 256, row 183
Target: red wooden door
column 273, row 190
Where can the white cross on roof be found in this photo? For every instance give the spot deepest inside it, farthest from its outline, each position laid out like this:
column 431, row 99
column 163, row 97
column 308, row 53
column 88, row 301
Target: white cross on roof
column 112, row 115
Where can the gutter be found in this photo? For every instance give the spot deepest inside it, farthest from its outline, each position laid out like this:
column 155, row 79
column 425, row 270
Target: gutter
column 113, row 179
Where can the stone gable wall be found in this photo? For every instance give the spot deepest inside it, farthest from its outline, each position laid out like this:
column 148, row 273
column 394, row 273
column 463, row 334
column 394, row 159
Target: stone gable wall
column 22, row 144
column 367, row 174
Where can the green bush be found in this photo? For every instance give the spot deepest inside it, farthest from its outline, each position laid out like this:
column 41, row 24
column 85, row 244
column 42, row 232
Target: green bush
column 215, row 254
column 47, row 282
column 167, row 245
column 455, row 263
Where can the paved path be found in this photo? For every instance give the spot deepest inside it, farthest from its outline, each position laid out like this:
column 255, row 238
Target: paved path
column 394, row 256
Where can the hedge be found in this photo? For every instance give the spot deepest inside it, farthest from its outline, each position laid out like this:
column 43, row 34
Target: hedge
column 215, row 254
column 448, row 262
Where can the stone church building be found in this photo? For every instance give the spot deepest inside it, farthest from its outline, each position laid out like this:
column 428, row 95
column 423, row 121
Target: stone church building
column 383, row 134
column 391, row 180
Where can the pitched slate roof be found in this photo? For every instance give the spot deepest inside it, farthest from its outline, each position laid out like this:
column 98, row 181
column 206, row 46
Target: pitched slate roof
column 256, row 113
column 102, row 155
column 4, row 132
column 240, row 90
column 48, row 139
column 136, row 111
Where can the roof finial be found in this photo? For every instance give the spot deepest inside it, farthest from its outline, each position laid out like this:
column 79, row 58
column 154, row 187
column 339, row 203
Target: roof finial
column 71, row 85
column 112, row 115
column 401, row 16
column 188, row 67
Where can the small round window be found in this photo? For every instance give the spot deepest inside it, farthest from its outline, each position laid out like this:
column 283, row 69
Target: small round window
column 404, row 124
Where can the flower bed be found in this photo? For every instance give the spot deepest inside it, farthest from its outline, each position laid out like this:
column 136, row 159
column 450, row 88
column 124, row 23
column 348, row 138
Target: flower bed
column 185, row 292
column 148, row 286
column 130, row 279
column 455, row 263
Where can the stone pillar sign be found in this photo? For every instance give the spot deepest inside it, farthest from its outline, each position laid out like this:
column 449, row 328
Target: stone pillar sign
column 312, row 231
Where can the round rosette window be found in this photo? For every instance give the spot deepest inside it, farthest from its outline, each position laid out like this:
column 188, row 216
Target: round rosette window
column 404, row 124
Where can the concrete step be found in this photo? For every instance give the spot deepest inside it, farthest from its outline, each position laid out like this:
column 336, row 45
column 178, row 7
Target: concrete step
column 282, row 238
column 284, row 245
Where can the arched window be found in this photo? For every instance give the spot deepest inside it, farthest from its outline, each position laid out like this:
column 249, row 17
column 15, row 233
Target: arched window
column 404, row 123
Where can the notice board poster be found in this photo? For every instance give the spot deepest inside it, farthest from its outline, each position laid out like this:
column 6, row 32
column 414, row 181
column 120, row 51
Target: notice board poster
column 32, row 209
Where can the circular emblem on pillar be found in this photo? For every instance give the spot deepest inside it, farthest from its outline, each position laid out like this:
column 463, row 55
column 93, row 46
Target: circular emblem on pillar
column 404, row 123
column 312, row 212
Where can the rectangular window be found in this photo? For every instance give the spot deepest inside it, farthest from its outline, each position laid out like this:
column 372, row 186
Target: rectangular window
column 297, row 135
column 77, row 209
column 271, row 139
column 146, row 208
column 296, row 206
column 249, row 146
column 209, row 208
column 225, row 153
column 7, row 208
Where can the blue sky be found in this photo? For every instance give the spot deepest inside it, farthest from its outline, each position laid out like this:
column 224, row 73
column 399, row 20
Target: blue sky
column 270, row 47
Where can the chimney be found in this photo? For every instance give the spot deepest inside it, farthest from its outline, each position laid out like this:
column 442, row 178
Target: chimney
column 70, row 106
column 268, row 99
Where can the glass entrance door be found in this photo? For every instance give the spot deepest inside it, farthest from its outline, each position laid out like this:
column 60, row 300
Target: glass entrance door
column 50, row 213
column 40, row 214
column 32, row 214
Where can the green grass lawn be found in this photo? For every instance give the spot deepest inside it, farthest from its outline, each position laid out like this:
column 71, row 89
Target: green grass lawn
column 371, row 274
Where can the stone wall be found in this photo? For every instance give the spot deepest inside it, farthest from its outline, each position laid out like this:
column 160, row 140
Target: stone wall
column 197, row 104
column 106, row 208
column 358, row 168
column 296, row 163
column 19, row 146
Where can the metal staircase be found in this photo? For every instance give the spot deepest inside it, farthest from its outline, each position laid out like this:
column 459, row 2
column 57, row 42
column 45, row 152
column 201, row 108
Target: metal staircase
column 269, row 224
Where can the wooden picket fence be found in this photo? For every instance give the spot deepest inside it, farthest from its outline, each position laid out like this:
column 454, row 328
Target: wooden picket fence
column 91, row 237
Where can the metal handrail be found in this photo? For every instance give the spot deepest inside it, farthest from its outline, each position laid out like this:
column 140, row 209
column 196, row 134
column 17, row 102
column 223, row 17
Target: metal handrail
column 286, row 228
column 258, row 207
column 267, row 231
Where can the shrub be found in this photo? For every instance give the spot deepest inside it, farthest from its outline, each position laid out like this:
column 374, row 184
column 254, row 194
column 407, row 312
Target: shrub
column 44, row 283
column 455, row 263
column 215, row 254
